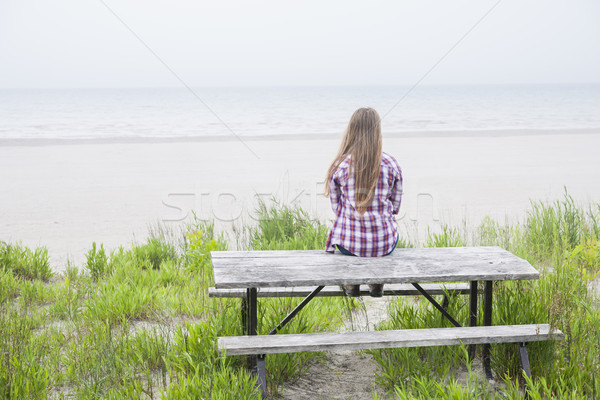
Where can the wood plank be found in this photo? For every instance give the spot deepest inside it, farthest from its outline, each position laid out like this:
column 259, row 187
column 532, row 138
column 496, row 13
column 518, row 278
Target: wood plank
column 292, row 343
column 312, row 268
column 266, row 253
column 333, row 291
column 245, row 254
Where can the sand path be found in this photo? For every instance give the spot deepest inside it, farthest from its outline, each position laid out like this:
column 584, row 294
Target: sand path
column 344, row 374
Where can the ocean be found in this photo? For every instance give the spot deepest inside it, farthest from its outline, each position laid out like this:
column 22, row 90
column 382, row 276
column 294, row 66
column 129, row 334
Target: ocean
column 290, row 111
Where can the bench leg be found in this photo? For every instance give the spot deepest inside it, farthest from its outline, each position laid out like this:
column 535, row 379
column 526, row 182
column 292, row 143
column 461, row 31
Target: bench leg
column 472, row 315
column 487, row 321
column 525, row 364
column 257, row 362
column 261, row 372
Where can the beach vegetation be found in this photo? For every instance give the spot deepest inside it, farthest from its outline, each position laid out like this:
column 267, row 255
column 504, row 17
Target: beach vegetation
column 285, row 227
column 24, row 262
column 560, row 240
column 154, row 252
column 448, row 237
column 138, row 322
column 96, row 261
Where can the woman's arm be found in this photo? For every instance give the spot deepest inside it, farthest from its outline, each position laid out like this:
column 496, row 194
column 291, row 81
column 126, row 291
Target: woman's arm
column 396, row 196
column 334, row 192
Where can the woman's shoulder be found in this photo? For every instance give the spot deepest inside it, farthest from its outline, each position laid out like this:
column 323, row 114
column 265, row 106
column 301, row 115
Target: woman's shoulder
column 389, row 161
column 342, row 169
column 344, row 163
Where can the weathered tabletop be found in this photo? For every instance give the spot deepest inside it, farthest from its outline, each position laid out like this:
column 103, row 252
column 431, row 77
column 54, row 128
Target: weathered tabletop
column 255, row 269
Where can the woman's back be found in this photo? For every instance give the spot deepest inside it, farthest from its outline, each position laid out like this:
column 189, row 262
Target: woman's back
column 373, row 233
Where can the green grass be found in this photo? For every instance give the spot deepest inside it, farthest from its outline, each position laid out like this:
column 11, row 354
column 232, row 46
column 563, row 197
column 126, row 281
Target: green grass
column 562, row 241
column 24, row 262
column 137, row 323
column 448, row 237
column 25, row 371
column 282, row 227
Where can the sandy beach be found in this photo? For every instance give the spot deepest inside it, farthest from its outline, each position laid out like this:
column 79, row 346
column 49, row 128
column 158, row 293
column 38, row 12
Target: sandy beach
column 67, row 195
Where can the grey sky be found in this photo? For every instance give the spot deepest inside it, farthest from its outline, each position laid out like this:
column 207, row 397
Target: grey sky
column 79, row 43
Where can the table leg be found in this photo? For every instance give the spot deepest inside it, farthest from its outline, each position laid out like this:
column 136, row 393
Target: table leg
column 244, row 311
column 473, row 315
column 257, row 361
column 252, row 312
column 487, row 321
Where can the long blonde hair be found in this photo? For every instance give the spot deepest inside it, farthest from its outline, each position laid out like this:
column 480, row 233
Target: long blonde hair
column 362, row 142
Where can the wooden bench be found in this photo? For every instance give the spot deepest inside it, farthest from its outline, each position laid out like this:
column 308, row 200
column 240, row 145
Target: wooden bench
column 293, row 343
column 390, row 339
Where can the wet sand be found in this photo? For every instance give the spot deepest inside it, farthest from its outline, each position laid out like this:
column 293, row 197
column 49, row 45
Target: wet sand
column 67, row 195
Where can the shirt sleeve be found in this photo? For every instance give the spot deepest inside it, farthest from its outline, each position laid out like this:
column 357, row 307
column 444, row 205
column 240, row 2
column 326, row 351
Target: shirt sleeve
column 334, row 192
column 396, row 196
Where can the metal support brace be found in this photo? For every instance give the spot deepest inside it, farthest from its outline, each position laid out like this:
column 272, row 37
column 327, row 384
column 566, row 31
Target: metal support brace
column 436, row 304
column 525, row 364
column 295, row 311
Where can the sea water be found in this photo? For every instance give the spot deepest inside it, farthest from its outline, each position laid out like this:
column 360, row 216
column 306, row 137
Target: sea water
column 138, row 113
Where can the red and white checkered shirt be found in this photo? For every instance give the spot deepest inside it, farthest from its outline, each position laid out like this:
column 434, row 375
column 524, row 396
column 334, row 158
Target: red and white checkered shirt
column 374, row 233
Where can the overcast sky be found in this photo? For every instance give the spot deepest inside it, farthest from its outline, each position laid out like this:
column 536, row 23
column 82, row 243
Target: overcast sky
column 80, row 43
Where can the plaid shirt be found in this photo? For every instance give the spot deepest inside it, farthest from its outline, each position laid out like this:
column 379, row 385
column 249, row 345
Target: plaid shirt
column 373, row 234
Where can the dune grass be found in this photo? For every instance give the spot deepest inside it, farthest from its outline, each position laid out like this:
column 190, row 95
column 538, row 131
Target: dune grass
column 137, row 322
column 562, row 241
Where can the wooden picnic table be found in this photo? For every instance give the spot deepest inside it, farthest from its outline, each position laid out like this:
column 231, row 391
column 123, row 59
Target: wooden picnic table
column 252, row 270
column 289, row 268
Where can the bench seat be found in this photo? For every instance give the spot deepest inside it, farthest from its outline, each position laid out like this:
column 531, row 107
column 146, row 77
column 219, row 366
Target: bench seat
column 292, row 343
column 332, row 291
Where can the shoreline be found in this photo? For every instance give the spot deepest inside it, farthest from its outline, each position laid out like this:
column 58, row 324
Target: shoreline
column 463, row 133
